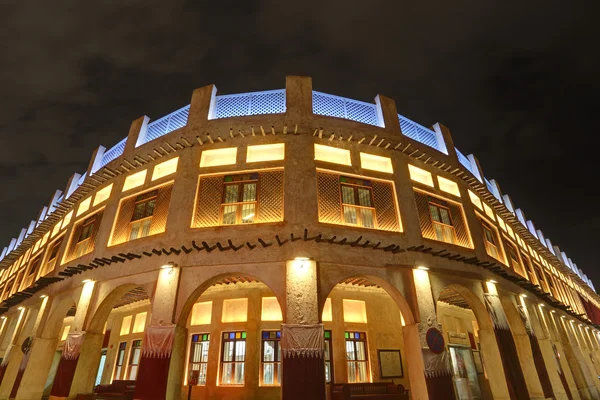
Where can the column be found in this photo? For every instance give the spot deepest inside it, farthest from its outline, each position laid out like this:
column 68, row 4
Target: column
column 158, row 340
column 12, row 355
column 302, row 339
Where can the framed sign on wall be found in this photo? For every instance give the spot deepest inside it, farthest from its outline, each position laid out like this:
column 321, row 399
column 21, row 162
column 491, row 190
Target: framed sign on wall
column 390, row 363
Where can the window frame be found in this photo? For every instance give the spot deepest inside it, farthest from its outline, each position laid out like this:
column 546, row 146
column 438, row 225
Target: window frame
column 277, row 358
column 55, row 245
column 328, row 362
column 119, row 367
column 357, row 362
column 240, row 198
column 357, row 206
column 135, row 344
column 222, row 363
column 203, row 345
column 431, row 202
column 486, row 228
column 152, row 196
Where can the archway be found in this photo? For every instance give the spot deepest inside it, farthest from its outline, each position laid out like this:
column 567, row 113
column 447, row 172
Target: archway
column 110, row 353
column 39, row 376
column 530, row 356
column 469, row 332
column 229, row 325
column 370, row 334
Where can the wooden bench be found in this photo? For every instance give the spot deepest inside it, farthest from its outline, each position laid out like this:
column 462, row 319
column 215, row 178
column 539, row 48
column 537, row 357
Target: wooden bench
column 368, row 391
column 117, row 390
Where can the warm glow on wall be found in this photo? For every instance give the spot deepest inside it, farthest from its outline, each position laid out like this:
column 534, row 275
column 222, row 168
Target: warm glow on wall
column 271, row 311
column 45, row 238
column 126, row 325
column 265, row 152
column 56, row 228
column 420, row 175
column 475, row 200
column 502, row 224
column 355, row 311
column 201, row 313
column 139, row 324
column 376, row 163
column 489, row 212
column 135, row 180
column 102, row 195
column 235, row 310
column 65, row 332
column 327, row 315
column 332, row 155
column 510, row 231
column 448, row 186
column 84, row 206
column 165, row 168
column 213, row 158
column 67, row 219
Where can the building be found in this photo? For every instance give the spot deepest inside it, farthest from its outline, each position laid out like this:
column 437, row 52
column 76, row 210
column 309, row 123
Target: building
column 279, row 244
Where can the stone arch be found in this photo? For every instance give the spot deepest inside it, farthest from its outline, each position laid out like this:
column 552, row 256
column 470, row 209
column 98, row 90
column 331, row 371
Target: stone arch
column 55, row 318
column 487, row 340
column 102, row 312
column 533, row 372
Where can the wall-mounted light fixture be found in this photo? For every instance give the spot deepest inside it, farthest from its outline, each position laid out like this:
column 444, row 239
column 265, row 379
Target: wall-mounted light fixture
column 168, row 265
column 523, row 295
column 20, row 308
column 422, row 268
column 87, row 281
column 301, row 262
column 43, row 296
column 492, row 281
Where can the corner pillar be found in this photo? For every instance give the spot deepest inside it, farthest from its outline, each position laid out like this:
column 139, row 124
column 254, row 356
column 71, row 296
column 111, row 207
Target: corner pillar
column 86, row 365
column 36, row 373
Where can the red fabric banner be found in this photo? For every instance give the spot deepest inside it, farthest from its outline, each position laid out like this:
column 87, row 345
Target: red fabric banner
column 154, row 364
column 67, row 365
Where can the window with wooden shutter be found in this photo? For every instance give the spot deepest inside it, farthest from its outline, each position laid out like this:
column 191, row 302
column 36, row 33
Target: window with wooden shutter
column 441, row 220
column 239, row 199
column 356, row 201
column 84, row 237
column 491, row 240
column 142, row 215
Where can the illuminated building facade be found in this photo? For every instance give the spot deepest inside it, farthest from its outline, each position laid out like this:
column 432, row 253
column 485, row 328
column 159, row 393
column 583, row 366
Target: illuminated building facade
column 286, row 244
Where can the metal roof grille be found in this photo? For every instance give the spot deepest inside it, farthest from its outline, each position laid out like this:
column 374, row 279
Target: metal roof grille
column 114, row 152
column 341, row 107
column 463, row 160
column 256, row 103
column 418, row 132
column 168, row 123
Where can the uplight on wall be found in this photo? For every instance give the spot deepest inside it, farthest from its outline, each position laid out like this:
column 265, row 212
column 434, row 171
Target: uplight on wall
column 56, row 228
column 265, row 152
column 84, row 206
column 135, row 180
column 102, row 195
column 332, row 154
column 489, row 211
column 448, row 186
column 67, row 219
column 354, row 311
column 327, row 314
column 165, row 168
column 422, row 268
column 475, row 200
column 376, row 163
column 216, row 157
column 301, row 262
column 420, row 175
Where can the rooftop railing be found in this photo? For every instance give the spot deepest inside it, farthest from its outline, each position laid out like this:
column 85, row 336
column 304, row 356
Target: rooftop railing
column 168, row 123
column 418, row 132
column 255, row 103
column 463, row 160
column 341, row 107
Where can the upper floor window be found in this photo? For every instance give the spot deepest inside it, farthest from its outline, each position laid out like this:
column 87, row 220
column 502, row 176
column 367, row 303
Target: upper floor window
column 367, row 203
column 491, row 240
column 199, row 358
column 253, row 197
column 34, row 268
column 142, row 215
column 441, row 220
column 271, row 358
column 357, row 202
column 84, row 235
column 529, row 269
column 233, row 358
column 356, row 357
column 53, row 255
column 513, row 258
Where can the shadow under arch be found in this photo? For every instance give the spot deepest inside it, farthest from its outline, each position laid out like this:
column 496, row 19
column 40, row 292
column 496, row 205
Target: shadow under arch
column 195, row 295
column 390, row 289
column 475, row 304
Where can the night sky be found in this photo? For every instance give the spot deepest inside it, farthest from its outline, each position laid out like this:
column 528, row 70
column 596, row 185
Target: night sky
column 516, row 85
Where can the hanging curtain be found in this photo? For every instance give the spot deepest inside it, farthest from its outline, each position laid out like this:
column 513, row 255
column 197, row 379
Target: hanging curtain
column 438, row 375
column 154, row 363
column 67, row 364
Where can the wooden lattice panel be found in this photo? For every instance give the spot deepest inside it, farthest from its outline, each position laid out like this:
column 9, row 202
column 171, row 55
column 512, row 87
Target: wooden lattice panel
column 161, row 210
column 328, row 188
column 270, row 198
column 386, row 207
column 209, row 201
column 75, row 236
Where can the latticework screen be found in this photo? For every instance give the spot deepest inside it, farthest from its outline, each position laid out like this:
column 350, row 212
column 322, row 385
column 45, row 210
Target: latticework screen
column 210, row 196
column 425, row 220
column 122, row 227
column 330, row 202
column 89, row 245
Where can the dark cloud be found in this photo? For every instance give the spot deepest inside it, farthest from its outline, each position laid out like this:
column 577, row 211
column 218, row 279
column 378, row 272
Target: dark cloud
column 517, row 84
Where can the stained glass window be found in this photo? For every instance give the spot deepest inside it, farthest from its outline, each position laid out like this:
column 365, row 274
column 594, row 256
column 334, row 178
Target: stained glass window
column 271, row 358
column 233, row 358
column 356, row 357
column 198, row 358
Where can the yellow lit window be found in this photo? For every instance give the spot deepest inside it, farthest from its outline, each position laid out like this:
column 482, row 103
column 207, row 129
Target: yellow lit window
column 265, row 152
column 84, row 206
column 327, row 315
column 376, row 163
column 139, row 323
column 475, row 200
column 510, row 231
column 126, row 325
column 448, row 186
column 67, row 220
column 37, row 245
column 420, row 175
column 202, row 313
column 235, row 310
column 65, row 332
column 135, row 180
column 213, row 158
column 332, row 155
column 355, row 311
column 165, row 168
column 45, row 238
column 270, row 309
column 502, row 224
column 102, row 195
column 489, row 211
column 56, row 228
